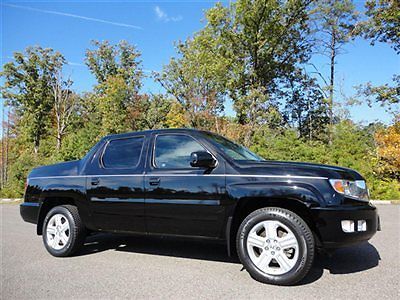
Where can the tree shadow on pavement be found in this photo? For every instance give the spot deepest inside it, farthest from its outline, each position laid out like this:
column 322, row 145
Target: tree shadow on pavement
column 342, row 261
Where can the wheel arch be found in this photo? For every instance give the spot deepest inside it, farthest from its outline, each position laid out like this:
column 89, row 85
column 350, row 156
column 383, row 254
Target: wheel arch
column 48, row 202
column 247, row 205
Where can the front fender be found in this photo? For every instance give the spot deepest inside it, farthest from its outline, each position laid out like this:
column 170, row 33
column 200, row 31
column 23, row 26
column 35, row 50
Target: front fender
column 303, row 192
column 275, row 193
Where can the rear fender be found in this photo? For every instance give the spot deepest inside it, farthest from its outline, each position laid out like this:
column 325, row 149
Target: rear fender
column 53, row 195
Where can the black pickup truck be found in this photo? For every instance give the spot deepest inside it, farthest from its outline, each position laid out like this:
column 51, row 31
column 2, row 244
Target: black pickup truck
column 192, row 183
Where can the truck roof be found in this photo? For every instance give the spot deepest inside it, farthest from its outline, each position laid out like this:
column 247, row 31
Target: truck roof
column 149, row 131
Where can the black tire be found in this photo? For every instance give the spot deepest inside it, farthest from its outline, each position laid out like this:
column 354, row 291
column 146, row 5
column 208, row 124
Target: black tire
column 298, row 227
column 77, row 232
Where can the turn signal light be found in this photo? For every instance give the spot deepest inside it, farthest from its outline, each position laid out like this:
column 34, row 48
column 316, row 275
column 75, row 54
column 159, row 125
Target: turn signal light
column 339, row 186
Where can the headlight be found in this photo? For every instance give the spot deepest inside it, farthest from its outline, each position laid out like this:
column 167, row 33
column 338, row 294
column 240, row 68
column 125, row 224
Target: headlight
column 355, row 189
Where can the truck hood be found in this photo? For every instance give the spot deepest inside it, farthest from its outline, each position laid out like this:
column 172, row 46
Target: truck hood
column 287, row 168
column 69, row 168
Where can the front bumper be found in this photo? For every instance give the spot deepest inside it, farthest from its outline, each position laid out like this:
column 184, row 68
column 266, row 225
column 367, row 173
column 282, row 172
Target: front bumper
column 29, row 211
column 329, row 229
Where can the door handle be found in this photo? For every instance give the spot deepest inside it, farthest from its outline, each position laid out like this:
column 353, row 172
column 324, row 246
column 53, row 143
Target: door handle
column 154, row 181
column 95, row 181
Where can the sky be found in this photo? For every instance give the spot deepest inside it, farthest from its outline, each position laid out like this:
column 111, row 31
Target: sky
column 154, row 27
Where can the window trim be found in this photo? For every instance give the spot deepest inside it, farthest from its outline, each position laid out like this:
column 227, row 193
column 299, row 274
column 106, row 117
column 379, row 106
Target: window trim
column 153, row 162
column 103, row 166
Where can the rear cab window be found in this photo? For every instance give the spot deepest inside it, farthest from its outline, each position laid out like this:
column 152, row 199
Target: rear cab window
column 123, row 153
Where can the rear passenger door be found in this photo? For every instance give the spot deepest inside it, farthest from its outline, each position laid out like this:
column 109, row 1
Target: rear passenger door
column 115, row 185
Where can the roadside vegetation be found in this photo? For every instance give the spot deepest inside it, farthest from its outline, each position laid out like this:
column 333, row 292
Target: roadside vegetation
column 256, row 54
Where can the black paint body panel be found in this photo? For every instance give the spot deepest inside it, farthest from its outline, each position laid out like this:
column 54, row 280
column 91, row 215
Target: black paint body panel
column 194, row 202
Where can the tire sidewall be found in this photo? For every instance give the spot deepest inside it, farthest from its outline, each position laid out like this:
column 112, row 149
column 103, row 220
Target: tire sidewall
column 297, row 272
column 67, row 214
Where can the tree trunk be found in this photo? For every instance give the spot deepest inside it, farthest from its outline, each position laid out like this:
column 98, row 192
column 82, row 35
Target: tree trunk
column 36, row 144
column 216, row 124
column 59, row 140
column 59, row 134
column 331, row 84
column 309, row 122
column 7, row 147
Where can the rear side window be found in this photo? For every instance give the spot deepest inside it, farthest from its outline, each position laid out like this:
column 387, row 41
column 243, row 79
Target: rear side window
column 123, row 153
column 172, row 151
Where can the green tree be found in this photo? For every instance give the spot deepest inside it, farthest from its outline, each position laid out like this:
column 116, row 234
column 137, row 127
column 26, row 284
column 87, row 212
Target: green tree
column 85, row 128
column 115, row 60
column 27, row 88
column 65, row 101
column 196, row 79
column 176, row 116
column 118, row 71
column 386, row 95
column 112, row 106
column 382, row 25
column 149, row 112
column 335, row 21
column 306, row 107
column 263, row 43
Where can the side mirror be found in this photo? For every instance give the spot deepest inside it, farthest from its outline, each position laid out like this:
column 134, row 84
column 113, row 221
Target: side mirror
column 202, row 159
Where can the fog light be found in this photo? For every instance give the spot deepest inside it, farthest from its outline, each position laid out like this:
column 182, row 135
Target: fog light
column 348, row 226
column 361, row 225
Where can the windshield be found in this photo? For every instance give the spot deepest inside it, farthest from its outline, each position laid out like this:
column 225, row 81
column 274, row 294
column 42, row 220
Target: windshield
column 233, row 150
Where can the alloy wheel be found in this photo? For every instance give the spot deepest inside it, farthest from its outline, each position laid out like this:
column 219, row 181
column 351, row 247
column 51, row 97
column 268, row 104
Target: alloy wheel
column 272, row 247
column 58, row 232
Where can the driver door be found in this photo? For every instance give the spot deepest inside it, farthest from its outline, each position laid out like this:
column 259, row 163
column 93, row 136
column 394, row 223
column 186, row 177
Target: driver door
column 181, row 199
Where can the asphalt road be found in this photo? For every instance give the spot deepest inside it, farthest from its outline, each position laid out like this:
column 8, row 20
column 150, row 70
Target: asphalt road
column 147, row 267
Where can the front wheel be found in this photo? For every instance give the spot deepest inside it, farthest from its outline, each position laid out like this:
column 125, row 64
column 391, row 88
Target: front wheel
column 63, row 231
column 275, row 246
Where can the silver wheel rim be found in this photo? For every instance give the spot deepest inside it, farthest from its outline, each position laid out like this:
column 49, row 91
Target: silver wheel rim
column 57, row 232
column 272, row 247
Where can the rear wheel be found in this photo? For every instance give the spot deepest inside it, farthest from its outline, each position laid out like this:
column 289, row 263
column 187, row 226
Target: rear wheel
column 63, row 231
column 275, row 246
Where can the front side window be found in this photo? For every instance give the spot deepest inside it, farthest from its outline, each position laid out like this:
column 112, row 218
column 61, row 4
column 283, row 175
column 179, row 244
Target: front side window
column 123, row 153
column 174, row 151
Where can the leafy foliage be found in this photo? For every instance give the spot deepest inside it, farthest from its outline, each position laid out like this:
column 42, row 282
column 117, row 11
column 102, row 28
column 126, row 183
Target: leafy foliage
column 336, row 20
column 383, row 24
column 252, row 53
column 386, row 95
column 388, row 141
column 263, row 41
column 27, row 88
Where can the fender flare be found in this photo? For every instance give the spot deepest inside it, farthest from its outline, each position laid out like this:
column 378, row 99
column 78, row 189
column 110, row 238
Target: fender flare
column 69, row 195
column 281, row 194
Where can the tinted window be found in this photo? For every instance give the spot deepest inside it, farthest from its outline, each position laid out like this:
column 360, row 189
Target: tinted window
column 173, row 151
column 233, row 150
column 123, row 153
